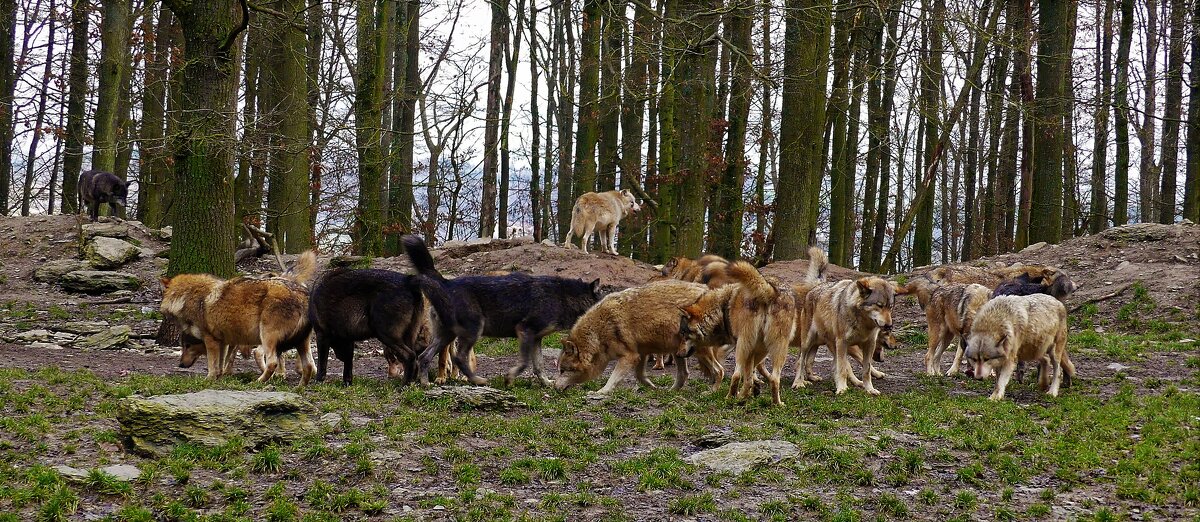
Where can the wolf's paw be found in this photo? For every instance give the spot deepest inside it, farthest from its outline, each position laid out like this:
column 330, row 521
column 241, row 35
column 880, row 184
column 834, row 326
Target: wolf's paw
column 478, row 381
column 871, row 390
column 814, row 377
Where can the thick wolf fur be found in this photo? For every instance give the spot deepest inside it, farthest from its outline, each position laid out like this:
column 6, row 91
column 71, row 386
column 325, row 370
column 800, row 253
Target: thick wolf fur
column 843, row 314
column 600, row 212
column 952, row 308
column 627, row 326
column 1011, row 329
column 1056, row 284
column 271, row 312
column 708, row 269
column 97, row 187
column 758, row 314
column 514, row 305
column 349, row 305
column 191, row 348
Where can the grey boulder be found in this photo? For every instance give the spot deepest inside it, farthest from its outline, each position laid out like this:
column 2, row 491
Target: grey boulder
column 154, row 425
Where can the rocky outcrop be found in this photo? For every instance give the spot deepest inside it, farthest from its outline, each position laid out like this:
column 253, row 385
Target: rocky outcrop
column 52, row 271
column 153, row 425
column 739, row 457
column 108, row 339
column 98, row 282
column 106, row 229
column 1140, row 232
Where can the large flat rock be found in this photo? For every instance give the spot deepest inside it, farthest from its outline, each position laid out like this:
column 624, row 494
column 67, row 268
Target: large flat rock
column 153, row 425
column 739, row 457
column 99, row 282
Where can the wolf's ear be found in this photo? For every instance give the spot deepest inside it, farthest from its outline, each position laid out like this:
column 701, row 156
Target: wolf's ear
column 166, row 281
column 864, row 287
column 691, row 311
column 568, row 346
column 595, row 285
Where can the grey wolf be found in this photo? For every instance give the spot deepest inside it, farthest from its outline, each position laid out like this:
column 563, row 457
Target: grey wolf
column 1010, row 329
column 952, row 308
column 758, row 313
column 843, row 314
column 709, row 270
column 97, row 187
column 225, row 313
column 627, row 326
column 191, row 348
column 600, row 212
column 347, row 306
column 514, row 305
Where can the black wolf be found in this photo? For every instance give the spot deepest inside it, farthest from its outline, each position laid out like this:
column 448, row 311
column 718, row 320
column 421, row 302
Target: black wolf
column 514, row 305
column 97, row 187
column 1060, row 287
column 348, row 305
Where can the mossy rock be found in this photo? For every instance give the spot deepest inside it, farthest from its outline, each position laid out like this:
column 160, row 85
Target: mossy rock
column 154, row 425
column 99, row 282
column 52, row 271
column 106, row 252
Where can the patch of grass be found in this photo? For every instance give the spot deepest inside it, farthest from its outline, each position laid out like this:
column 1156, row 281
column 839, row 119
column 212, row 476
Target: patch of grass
column 267, row 461
column 690, row 505
column 107, row 484
column 660, row 468
column 892, row 506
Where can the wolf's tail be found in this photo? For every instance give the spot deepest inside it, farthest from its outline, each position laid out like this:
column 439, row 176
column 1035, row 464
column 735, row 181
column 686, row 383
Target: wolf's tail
column 418, row 253
column 818, row 261
column 750, row 279
column 305, row 268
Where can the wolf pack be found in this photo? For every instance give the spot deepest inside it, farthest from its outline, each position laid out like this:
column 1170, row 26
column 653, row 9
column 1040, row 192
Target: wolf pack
column 1001, row 319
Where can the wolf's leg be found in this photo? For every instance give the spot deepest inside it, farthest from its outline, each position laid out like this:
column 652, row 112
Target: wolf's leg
column 622, row 370
column 810, row 360
column 462, row 359
column 1002, row 380
column 776, row 375
column 803, row 363
column 681, row 373
column 612, row 239
column 539, row 366
column 933, row 354
column 587, row 235
column 868, row 354
column 212, row 354
column 441, row 339
column 322, row 357
column 956, row 366
column 304, row 360
column 445, row 366
column 841, row 368
column 639, row 373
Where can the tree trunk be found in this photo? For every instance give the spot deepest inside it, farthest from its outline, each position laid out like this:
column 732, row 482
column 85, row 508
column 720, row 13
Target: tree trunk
column 612, row 40
column 931, row 110
column 506, row 116
column 691, row 49
column 837, row 126
column 885, row 153
column 632, row 238
column 152, row 149
column 40, row 119
column 1049, row 111
column 1171, row 114
column 1024, row 24
column 806, row 64
column 204, row 240
column 564, row 52
column 589, row 110
column 765, row 140
column 876, row 127
column 728, row 208
column 407, row 81
column 1098, row 214
column 1147, row 170
column 1191, row 185
column 535, row 188
column 8, row 82
column 371, row 42
column 286, row 72
column 1121, row 116
column 247, row 208
column 114, row 55
column 491, row 133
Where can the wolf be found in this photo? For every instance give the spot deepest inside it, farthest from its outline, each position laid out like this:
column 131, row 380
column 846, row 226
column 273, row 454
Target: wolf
column 758, row 314
column 97, row 187
column 191, row 348
column 600, row 212
column 514, row 305
column 349, row 305
column 1010, row 329
column 627, row 326
column 843, row 314
column 951, row 310
column 1057, row 284
column 708, row 269
column 224, row 313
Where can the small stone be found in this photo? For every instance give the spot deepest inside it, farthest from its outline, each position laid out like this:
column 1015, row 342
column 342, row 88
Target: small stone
column 739, row 457
column 103, row 229
column 83, row 327
column 106, row 252
column 477, row 397
column 33, row 336
column 52, row 271
column 123, row 472
column 1122, row 266
column 113, row 337
column 331, row 419
column 45, row 346
column 1117, row 367
column 70, row 473
column 715, row 439
column 1034, row 247
column 165, row 233
column 549, row 242
column 439, row 507
column 99, row 282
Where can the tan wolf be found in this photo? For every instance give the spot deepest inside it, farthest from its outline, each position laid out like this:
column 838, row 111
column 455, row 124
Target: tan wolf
column 758, row 313
column 843, row 314
column 952, row 308
column 224, row 313
column 1010, row 329
column 627, row 326
column 600, row 212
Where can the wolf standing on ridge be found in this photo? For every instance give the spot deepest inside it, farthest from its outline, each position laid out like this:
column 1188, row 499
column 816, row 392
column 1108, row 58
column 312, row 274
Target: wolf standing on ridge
column 600, row 212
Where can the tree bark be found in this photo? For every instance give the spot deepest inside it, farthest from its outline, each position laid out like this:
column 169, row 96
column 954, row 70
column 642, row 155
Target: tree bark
column 77, row 82
column 8, row 83
column 152, row 148
column 589, row 110
column 286, row 72
column 1050, row 108
column 491, row 133
column 1191, row 185
column 203, row 214
column 1147, row 170
column 931, row 75
column 1172, row 112
column 1121, row 116
column 370, row 41
column 612, row 40
column 633, row 106
column 728, row 209
column 1098, row 214
column 114, row 55
column 564, row 52
column 806, row 64
column 514, row 52
column 407, row 83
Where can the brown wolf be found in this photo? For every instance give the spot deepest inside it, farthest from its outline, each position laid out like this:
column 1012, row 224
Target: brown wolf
column 192, row 348
column 844, row 314
column 708, row 269
column 952, row 307
column 626, row 326
column 758, row 313
column 272, row 312
column 600, row 212
column 1010, row 329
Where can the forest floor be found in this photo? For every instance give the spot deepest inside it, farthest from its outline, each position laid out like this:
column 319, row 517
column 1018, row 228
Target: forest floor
column 1122, row 443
